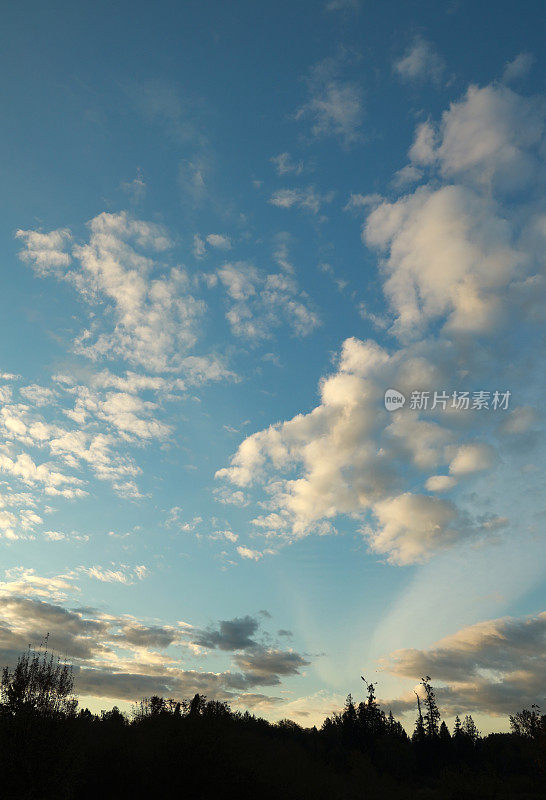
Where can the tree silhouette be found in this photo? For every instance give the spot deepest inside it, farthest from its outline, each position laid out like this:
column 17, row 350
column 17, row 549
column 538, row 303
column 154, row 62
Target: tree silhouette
column 419, row 734
column 444, row 734
column 39, row 684
column 529, row 723
column 212, row 752
column 431, row 717
column 457, row 728
column 470, row 730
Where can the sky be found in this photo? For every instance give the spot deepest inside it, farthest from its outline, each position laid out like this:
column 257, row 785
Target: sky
column 227, row 230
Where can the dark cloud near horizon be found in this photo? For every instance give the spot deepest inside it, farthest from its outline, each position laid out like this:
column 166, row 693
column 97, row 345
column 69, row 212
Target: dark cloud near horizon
column 97, row 647
column 231, row 634
column 496, row 667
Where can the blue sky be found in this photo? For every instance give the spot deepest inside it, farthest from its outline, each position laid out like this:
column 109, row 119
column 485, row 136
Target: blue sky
column 226, row 231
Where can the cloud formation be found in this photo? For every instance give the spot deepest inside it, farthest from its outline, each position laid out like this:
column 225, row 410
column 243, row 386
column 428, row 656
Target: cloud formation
column 123, row 658
column 458, row 257
column 421, row 62
column 334, row 105
column 496, row 667
column 155, row 318
column 259, row 302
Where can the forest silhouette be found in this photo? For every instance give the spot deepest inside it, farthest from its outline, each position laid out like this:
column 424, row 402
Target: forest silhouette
column 199, row 748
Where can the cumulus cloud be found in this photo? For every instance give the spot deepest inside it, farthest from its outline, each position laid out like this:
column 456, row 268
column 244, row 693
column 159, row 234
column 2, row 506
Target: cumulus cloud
column 261, row 302
column 410, row 526
column 449, row 255
column 492, row 136
column 76, row 431
column 219, row 241
column 496, row 667
column 155, row 317
column 461, row 259
column 472, row 457
column 455, row 261
column 46, row 252
column 30, row 473
column 440, row 483
column 248, row 553
column 421, row 62
column 351, row 455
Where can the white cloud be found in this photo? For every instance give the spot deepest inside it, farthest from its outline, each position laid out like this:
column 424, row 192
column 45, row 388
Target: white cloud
column 239, row 280
column 284, row 165
column 155, row 318
column 335, row 105
column 440, row 483
column 412, row 526
column 471, row 458
column 421, row 62
column 346, row 451
column 406, row 176
column 24, row 582
column 492, row 137
column 219, row 241
column 356, row 202
column 456, row 260
column 38, row 395
column 246, row 552
column 518, row 68
column 135, row 189
column 261, row 302
column 450, row 255
column 307, row 198
column 122, row 574
column 199, row 248
column 46, row 252
column 521, row 420
column 30, row 473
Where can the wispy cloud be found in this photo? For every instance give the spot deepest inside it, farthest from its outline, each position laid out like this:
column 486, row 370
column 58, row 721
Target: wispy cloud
column 421, row 62
column 334, row 105
column 518, row 68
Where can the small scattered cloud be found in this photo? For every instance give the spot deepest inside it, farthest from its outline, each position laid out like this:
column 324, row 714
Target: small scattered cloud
column 421, row 62
column 284, row 164
column 307, row 198
column 116, row 574
column 518, row 68
column 248, row 553
column 219, row 241
column 334, row 105
column 135, row 189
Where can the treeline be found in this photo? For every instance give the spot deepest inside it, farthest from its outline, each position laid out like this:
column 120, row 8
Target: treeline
column 199, row 748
